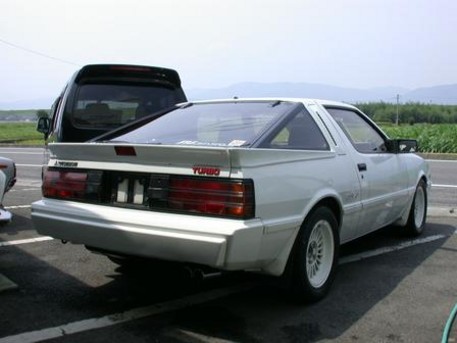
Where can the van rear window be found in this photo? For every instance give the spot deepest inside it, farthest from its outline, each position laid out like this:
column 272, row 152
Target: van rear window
column 107, row 106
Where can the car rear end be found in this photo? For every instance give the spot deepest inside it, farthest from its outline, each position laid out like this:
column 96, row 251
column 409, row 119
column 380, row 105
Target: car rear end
column 8, row 167
column 190, row 185
column 159, row 208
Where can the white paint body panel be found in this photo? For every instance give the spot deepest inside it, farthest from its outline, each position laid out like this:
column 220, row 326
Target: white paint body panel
column 288, row 185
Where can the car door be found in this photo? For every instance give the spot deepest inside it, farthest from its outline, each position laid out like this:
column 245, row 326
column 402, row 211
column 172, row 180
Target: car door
column 382, row 174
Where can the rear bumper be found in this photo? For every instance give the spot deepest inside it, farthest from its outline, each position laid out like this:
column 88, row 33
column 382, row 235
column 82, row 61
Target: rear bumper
column 220, row 243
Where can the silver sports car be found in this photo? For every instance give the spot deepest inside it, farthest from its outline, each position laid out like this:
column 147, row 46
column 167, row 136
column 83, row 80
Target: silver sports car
column 272, row 186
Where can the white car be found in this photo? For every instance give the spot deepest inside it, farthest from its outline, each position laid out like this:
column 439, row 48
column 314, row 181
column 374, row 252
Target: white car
column 272, row 186
column 7, row 181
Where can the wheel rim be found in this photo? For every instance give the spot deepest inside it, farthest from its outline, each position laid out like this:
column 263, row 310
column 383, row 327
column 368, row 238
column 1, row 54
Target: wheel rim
column 319, row 253
column 419, row 207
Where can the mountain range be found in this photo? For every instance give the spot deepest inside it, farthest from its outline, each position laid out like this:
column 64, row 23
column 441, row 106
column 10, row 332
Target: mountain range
column 443, row 94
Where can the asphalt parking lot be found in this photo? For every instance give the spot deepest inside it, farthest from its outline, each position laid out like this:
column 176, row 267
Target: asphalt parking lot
column 389, row 288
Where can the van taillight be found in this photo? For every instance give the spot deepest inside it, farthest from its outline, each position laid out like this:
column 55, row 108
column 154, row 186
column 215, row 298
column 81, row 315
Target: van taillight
column 221, row 197
column 72, row 185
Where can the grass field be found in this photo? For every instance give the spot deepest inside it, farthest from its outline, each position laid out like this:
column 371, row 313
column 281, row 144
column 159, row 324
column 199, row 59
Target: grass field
column 438, row 138
column 22, row 133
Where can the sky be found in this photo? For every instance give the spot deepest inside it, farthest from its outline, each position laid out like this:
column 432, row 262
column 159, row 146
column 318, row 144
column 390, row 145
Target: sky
column 214, row 44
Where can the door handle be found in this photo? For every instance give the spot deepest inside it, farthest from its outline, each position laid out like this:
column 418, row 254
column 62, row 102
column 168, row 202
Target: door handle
column 362, row 167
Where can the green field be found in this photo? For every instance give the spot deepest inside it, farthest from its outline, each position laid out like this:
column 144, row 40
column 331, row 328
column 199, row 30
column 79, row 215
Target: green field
column 23, row 133
column 437, row 138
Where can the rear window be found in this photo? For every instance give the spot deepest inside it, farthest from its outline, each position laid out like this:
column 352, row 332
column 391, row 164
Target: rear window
column 211, row 124
column 106, row 106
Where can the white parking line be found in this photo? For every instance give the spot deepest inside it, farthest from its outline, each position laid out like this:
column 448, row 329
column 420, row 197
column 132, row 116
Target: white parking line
column 29, row 165
column 16, row 207
column 26, row 241
column 25, row 190
column 21, row 152
column 444, row 186
column 122, row 317
column 142, row 312
column 441, row 161
column 385, row 250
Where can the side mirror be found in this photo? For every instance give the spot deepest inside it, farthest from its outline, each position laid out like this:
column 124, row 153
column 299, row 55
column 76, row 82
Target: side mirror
column 43, row 125
column 401, row 146
column 407, row 145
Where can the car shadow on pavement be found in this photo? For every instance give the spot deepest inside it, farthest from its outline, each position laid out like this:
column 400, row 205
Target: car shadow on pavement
column 72, row 284
column 60, row 284
column 266, row 314
column 19, row 224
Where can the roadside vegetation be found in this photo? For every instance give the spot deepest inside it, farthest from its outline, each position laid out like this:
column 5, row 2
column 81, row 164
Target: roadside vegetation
column 20, row 115
column 435, row 138
column 20, row 133
column 433, row 126
column 410, row 113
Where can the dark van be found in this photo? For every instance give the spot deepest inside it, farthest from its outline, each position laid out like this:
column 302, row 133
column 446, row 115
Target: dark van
column 100, row 98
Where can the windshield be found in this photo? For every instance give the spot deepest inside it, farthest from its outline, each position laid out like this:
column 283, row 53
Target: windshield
column 105, row 106
column 212, row 124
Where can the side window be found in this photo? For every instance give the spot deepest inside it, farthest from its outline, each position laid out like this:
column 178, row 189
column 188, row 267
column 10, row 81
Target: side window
column 362, row 135
column 300, row 132
column 53, row 113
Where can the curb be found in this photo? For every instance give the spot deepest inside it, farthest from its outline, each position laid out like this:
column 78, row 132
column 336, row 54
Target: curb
column 437, row 156
column 449, row 212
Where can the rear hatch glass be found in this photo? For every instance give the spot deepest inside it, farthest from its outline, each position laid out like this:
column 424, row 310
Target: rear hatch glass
column 210, row 124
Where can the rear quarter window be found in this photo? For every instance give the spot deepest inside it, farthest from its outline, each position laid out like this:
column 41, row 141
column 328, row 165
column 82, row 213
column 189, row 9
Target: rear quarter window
column 300, row 132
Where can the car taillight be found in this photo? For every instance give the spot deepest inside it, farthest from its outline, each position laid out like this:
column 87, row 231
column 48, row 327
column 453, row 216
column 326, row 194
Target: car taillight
column 221, row 197
column 72, row 185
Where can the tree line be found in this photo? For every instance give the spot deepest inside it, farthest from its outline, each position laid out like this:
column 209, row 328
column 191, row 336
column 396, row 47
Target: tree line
column 410, row 113
column 383, row 112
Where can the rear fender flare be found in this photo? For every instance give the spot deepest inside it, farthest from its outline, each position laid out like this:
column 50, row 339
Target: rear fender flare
column 323, row 198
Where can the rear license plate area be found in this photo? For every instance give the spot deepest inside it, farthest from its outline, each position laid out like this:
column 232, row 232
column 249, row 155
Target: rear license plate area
column 130, row 189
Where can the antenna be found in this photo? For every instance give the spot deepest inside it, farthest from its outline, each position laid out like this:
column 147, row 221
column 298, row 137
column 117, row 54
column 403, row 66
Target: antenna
column 396, row 119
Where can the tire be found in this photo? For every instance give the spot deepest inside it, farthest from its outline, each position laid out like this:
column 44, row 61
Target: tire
column 315, row 256
column 418, row 212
